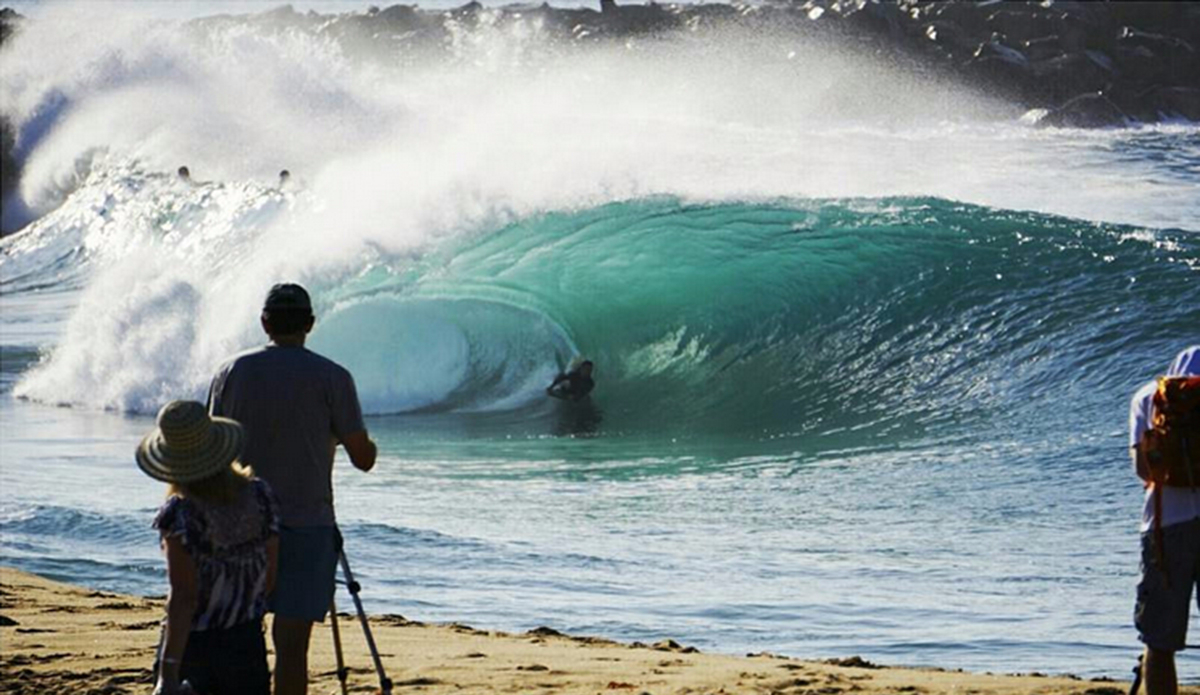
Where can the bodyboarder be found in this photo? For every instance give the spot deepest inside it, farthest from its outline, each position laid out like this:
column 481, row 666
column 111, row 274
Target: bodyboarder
column 574, row 384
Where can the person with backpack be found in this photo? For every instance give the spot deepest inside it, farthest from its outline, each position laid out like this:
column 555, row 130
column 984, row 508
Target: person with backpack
column 1164, row 429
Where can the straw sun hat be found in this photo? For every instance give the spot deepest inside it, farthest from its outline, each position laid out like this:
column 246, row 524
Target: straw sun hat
column 188, row 445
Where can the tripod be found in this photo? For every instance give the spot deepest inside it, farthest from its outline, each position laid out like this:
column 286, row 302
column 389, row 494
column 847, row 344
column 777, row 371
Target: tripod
column 385, row 683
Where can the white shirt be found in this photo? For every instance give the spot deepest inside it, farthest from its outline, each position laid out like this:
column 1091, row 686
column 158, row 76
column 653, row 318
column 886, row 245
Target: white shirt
column 1179, row 504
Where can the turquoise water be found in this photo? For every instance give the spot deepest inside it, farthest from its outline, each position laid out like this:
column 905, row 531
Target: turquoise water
column 862, row 376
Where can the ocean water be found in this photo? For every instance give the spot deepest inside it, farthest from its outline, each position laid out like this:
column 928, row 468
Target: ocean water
column 864, row 338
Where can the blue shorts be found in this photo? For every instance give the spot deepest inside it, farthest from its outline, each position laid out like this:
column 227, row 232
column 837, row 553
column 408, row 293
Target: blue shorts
column 308, row 559
column 1164, row 597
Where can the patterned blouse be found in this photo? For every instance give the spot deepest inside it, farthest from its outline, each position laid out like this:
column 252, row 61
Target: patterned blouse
column 228, row 543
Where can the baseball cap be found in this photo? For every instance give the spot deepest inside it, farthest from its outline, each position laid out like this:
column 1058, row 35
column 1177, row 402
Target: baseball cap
column 287, row 296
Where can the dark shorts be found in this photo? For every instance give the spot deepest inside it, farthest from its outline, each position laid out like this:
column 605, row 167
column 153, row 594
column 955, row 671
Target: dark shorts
column 232, row 661
column 1164, row 596
column 308, row 558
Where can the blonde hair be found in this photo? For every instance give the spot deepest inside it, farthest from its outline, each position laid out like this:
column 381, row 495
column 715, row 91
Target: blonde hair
column 222, row 487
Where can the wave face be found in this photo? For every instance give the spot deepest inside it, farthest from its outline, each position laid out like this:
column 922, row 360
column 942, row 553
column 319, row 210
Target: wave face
column 790, row 318
column 784, row 319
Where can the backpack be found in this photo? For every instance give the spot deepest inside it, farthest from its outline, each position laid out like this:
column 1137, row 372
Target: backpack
column 1171, row 446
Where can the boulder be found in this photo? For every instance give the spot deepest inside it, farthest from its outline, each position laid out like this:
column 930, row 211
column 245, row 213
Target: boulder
column 1005, row 76
column 964, row 15
column 950, row 38
column 1021, row 23
column 1065, row 76
column 1175, row 102
column 1093, row 110
column 637, row 19
column 10, row 21
column 1140, row 65
column 10, row 168
column 399, row 17
column 10, row 174
column 883, row 20
column 1083, row 26
column 1042, row 48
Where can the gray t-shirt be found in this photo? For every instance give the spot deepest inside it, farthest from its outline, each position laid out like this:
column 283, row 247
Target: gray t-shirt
column 296, row 406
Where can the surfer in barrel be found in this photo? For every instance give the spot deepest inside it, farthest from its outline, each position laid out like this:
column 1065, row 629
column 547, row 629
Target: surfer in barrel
column 573, row 384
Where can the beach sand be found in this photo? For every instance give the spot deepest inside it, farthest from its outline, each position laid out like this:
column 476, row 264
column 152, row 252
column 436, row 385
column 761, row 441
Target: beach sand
column 58, row 638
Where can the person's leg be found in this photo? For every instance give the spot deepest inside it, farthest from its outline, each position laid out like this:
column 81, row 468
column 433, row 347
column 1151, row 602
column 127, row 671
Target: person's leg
column 291, row 637
column 1158, row 672
column 303, row 591
column 1164, row 600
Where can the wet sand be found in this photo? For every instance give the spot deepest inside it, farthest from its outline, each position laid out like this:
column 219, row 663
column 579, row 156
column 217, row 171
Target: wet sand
column 59, row 638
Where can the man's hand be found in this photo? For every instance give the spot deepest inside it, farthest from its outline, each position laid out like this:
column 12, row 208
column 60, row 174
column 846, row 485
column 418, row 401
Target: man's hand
column 361, row 449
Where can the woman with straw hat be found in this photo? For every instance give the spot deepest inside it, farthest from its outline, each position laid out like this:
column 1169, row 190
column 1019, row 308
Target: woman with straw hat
column 220, row 534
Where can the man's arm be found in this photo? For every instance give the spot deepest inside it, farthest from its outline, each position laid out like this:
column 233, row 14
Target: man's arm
column 554, row 392
column 348, row 427
column 1139, row 463
column 362, row 450
column 216, row 393
column 213, row 404
column 1139, row 422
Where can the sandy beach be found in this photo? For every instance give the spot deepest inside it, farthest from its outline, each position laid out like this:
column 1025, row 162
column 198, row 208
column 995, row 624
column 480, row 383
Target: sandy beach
column 60, row 638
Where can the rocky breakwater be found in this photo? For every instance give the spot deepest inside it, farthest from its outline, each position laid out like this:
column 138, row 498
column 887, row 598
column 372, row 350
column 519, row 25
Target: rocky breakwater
column 1074, row 64
column 10, row 173
column 1082, row 64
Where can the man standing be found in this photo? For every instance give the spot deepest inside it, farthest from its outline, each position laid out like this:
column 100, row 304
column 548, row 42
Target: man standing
column 1170, row 541
column 296, row 407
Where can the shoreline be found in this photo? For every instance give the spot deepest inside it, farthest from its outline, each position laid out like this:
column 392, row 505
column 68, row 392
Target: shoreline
column 60, row 637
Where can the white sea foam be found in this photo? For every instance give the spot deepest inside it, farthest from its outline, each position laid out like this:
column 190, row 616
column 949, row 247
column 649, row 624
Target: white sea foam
column 393, row 159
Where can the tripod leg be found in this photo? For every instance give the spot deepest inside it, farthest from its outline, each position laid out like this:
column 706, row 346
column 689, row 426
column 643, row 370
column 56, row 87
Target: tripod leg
column 385, row 683
column 342, row 671
column 1137, row 676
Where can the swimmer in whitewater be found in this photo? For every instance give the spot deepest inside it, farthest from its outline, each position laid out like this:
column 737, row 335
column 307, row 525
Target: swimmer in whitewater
column 573, row 384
